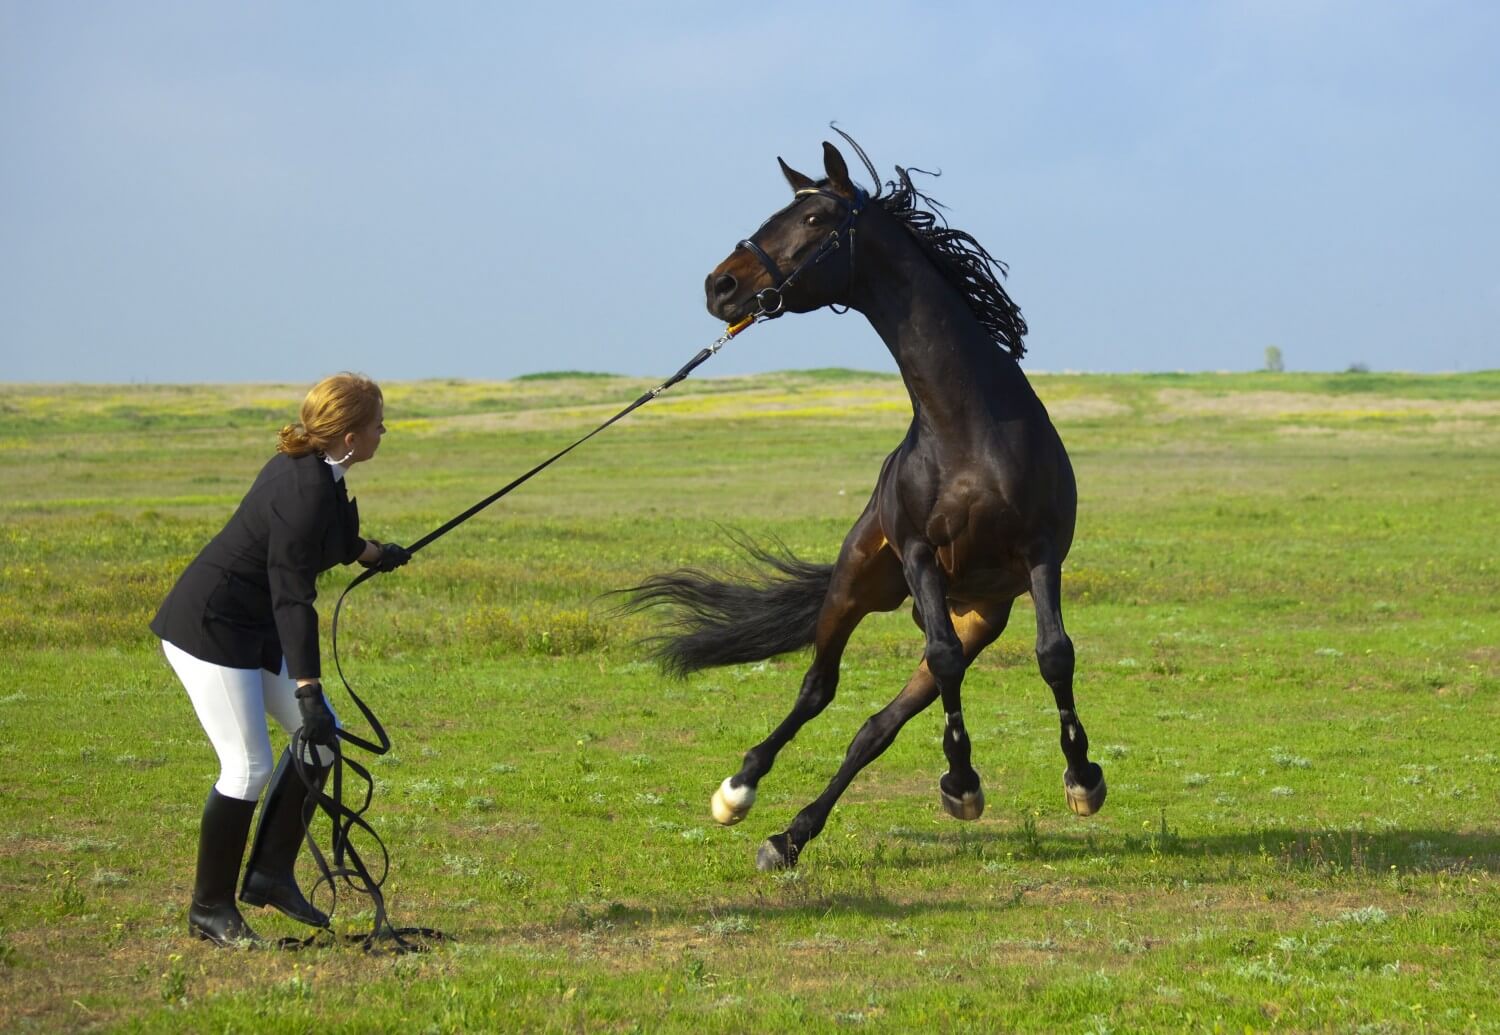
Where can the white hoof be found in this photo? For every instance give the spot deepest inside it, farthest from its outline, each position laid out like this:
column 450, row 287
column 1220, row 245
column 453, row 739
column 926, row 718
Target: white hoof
column 1084, row 802
column 730, row 804
column 970, row 806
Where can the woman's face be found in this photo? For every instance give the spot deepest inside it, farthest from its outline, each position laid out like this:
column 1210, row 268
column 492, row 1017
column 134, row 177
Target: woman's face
column 362, row 442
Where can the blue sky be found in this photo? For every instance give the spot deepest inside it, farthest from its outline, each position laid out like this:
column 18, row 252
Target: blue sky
column 273, row 191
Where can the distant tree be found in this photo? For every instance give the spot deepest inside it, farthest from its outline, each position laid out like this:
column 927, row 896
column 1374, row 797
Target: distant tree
column 1358, row 368
column 1273, row 359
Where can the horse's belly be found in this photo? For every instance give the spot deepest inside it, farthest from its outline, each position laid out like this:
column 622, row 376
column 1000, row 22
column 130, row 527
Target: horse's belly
column 985, row 585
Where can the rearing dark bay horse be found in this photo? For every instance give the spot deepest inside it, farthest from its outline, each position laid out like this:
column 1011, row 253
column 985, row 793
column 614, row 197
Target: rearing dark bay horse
column 974, row 508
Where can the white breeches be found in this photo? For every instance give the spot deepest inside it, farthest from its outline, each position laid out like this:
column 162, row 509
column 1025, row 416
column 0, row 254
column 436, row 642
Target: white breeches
column 232, row 704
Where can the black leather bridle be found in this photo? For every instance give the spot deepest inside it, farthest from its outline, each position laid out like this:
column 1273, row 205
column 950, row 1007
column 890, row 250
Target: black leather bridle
column 771, row 301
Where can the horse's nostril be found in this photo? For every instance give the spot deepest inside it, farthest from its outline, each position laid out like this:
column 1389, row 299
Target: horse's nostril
column 725, row 285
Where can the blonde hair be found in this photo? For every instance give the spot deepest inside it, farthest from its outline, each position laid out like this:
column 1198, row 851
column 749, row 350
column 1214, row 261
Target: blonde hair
column 334, row 407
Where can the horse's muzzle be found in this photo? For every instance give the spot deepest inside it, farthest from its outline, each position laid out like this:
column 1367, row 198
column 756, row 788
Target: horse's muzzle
column 721, row 289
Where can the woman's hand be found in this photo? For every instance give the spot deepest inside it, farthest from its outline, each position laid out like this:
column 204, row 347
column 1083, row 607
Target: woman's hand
column 317, row 719
column 384, row 556
column 392, row 556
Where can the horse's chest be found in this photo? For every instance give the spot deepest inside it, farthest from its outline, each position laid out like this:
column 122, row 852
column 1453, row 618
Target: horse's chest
column 971, row 527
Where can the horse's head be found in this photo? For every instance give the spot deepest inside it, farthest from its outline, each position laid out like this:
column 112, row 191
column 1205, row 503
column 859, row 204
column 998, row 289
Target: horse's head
column 802, row 257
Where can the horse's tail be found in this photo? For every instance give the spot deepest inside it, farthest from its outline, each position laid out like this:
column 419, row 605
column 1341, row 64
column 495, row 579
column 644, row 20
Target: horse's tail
column 728, row 621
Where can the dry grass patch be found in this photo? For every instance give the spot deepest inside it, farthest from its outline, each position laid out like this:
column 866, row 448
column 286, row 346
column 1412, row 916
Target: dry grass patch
column 1085, row 407
column 1183, row 402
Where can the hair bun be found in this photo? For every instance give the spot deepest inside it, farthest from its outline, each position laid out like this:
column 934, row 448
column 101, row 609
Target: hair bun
column 293, row 439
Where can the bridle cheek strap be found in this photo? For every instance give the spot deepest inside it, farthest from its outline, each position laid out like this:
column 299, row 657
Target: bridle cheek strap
column 770, row 299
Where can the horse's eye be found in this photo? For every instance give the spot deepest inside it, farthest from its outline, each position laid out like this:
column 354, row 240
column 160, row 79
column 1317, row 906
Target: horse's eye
column 813, row 219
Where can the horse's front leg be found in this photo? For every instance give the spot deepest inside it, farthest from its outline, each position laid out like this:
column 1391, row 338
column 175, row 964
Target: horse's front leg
column 963, row 798
column 947, row 660
column 866, row 578
column 1083, row 780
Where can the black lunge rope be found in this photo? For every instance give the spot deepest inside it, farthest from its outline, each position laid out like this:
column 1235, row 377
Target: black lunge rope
column 346, row 863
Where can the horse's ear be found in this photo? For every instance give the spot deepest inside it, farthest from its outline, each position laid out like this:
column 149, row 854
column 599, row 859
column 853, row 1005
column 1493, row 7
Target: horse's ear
column 796, row 179
column 838, row 171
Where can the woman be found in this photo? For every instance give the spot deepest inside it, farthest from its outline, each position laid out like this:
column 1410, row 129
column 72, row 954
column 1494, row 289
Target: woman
column 240, row 630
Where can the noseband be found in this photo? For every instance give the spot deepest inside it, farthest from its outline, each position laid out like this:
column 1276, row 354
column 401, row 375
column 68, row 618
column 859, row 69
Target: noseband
column 770, row 299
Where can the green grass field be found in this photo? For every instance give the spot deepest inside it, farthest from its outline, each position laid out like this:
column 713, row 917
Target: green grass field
column 1283, row 594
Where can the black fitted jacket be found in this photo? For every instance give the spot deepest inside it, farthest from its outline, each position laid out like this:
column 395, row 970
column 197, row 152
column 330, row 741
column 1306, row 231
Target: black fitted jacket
column 247, row 598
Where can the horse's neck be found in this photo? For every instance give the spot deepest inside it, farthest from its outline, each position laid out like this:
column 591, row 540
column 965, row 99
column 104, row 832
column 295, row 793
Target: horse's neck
column 956, row 376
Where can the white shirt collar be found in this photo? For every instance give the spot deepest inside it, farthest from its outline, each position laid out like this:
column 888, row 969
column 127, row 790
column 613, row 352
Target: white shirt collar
column 337, row 469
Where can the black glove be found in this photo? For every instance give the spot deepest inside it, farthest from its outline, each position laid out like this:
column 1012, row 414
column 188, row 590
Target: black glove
column 392, row 556
column 317, row 720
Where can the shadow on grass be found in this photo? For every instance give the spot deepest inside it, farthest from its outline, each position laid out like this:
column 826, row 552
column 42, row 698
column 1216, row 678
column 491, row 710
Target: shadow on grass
column 727, row 918
column 1294, row 849
column 1231, row 858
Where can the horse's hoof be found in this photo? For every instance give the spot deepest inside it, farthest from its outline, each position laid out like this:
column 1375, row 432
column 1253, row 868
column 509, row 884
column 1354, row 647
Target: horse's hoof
column 966, row 806
column 1085, row 801
column 777, row 853
column 730, row 803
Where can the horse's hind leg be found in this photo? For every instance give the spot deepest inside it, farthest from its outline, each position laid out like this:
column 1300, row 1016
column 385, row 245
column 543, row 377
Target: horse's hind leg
column 780, row 851
column 941, row 673
column 1083, row 781
column 732, row 800
column 866, row 578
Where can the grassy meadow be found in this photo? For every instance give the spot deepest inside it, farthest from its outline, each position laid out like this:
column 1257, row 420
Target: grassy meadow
column 1285, row 598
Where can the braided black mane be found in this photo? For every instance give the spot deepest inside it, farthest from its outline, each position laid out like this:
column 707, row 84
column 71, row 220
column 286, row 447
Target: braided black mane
column 963, row 261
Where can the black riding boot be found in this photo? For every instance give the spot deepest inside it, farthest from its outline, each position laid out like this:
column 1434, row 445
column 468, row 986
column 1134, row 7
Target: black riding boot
column 213, row 915
column 269, row 876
